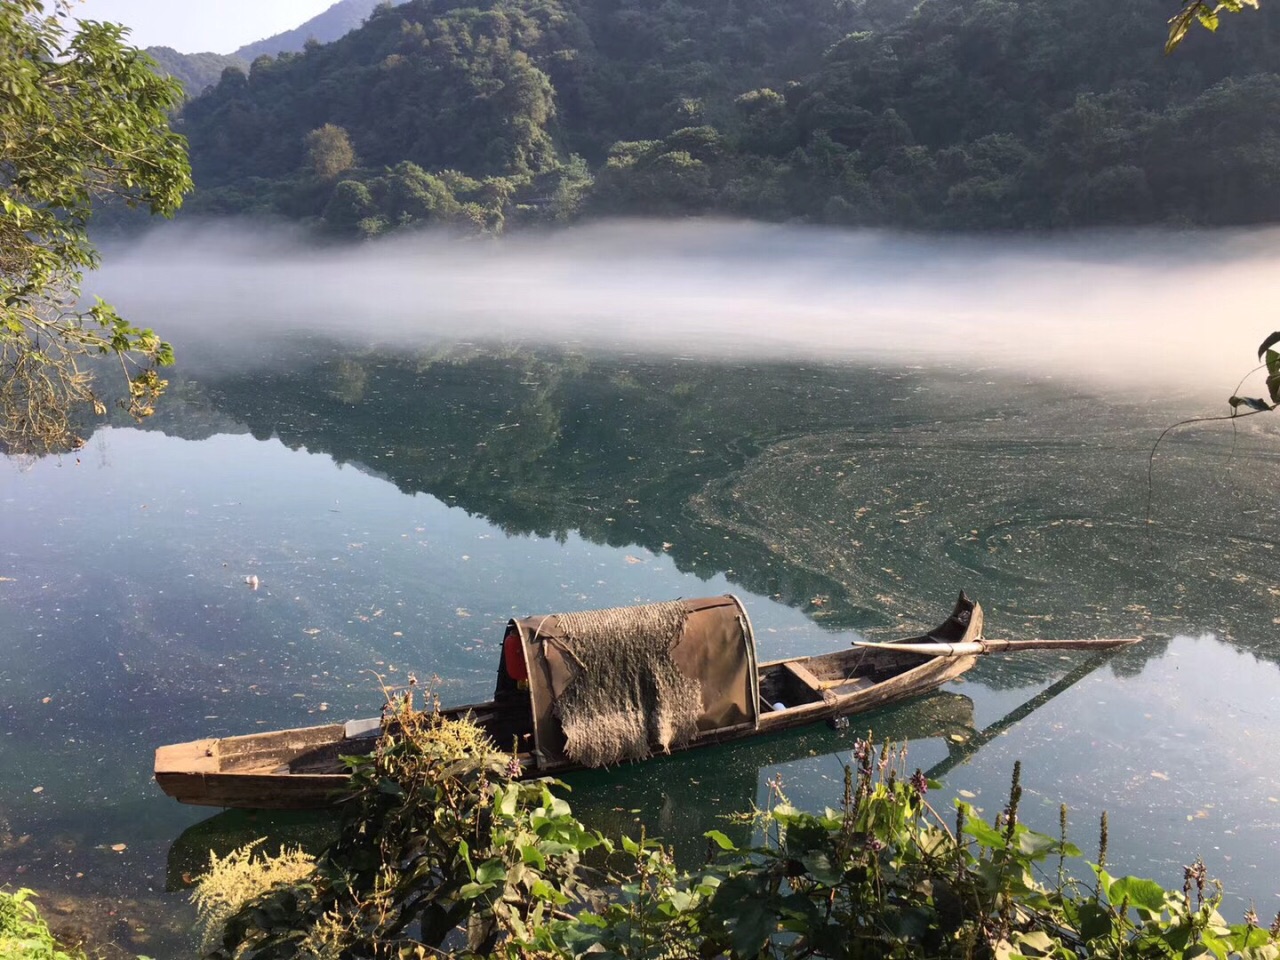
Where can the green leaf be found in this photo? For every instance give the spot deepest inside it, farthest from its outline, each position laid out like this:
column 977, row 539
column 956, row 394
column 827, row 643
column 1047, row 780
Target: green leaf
column 985, row 834
column 1268, row 343
column 506, row 801
column 818, row 865
column 1141, row 893
column 491, row 871
column 542, row 890
column 1093, row 921
column 1037, row 940
column 720, row 840
column 391, row 788
column 464, row 851
column 1218, row 946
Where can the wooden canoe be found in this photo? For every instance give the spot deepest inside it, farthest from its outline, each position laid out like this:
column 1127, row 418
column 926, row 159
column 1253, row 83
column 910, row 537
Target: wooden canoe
column 302, row 768
column 608, row 799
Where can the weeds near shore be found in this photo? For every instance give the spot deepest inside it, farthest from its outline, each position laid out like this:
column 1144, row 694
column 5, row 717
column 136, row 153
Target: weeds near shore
column 23, row 933
column 444, row 850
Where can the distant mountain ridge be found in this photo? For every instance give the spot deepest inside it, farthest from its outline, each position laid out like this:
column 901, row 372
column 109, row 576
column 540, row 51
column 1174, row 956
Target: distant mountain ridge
column 197, row 71
column 337, row 21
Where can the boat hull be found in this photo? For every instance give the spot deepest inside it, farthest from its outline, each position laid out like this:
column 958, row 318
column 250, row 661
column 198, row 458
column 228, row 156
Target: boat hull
column 302, row 768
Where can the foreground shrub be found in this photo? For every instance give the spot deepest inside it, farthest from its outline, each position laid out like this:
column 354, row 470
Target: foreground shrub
column 242, row 876
column 438, row 846
column 23, row 934
column 444, row 851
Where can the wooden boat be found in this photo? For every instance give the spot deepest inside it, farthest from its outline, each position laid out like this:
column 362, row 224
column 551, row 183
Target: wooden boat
column 598, row 688
column 693, row 791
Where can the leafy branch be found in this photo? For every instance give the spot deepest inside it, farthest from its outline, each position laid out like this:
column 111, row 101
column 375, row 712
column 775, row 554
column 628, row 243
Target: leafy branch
column 82, row 117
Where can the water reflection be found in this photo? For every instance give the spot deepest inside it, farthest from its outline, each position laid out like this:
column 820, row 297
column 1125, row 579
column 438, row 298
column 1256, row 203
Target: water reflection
column 396, row 510
column 849, row 491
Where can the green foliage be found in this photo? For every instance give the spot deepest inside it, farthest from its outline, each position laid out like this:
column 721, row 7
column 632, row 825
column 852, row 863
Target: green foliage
column 23, row 933
column 81, row 117
column 195, row 71
column 443, row 850
column 329, row 151
column 435, row 86
column 439, row 838
column 1205, row 14
column 242, row 875
column 884, row 876
column 959, row 115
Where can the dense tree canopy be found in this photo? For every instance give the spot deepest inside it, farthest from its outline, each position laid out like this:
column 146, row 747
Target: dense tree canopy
column 195, row 71
column 967, row 114
column 82, row 117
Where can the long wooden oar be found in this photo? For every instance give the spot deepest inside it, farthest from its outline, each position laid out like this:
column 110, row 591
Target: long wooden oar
column 978, row 647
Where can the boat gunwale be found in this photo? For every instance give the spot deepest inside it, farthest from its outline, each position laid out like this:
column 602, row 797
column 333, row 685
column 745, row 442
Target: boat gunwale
column 307, row 789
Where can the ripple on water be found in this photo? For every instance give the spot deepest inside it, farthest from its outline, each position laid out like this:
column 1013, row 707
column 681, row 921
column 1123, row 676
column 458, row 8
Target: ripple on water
column 1051, row 534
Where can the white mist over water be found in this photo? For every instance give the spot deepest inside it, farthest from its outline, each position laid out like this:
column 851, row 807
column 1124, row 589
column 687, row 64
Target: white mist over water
column 1162, row 312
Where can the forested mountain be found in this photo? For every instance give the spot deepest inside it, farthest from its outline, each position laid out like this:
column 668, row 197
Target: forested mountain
column 197, row 71
column 956, row 114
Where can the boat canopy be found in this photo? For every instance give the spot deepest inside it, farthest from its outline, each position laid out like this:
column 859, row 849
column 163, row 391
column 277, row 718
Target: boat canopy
column 612, row 685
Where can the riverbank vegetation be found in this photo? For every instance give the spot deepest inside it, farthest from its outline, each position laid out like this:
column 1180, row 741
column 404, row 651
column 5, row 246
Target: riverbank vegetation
column 960, row 115
column 23, row 933
column 83, row 117
column 444, row 851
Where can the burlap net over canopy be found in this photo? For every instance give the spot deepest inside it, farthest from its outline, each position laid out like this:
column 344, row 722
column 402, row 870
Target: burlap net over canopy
column 614, row 685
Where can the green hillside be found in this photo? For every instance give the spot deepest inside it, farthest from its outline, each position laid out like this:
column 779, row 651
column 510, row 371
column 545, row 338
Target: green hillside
column 197, row 71
column 954, row 114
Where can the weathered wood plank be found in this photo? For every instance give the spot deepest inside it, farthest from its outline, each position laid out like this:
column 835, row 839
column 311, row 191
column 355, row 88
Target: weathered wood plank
column 804, row 675
column 982, row 647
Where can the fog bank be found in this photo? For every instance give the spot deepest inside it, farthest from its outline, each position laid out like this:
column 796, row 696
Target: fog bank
column 1157, row 311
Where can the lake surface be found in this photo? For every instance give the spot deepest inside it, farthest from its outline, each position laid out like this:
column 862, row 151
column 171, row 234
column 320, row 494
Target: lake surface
column 398, row 507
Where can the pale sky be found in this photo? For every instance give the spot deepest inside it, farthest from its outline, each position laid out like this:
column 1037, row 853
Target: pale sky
column 194, row 26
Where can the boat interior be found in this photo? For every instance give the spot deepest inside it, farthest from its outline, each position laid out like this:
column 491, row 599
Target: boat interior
column 788, row 684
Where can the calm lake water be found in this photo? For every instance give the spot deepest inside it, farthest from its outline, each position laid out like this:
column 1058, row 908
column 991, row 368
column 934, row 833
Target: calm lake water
column 397, row 509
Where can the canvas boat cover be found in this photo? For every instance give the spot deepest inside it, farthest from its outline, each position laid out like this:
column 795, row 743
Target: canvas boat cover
column 612, row 685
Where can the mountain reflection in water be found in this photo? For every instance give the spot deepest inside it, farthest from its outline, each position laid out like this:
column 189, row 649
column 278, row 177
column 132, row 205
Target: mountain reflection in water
column 397, row 509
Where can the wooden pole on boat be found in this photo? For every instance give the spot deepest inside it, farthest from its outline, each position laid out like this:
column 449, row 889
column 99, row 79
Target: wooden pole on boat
column 980, row 647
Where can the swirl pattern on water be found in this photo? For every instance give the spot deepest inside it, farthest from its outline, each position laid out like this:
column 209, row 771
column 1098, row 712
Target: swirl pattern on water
column 1042, row 517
